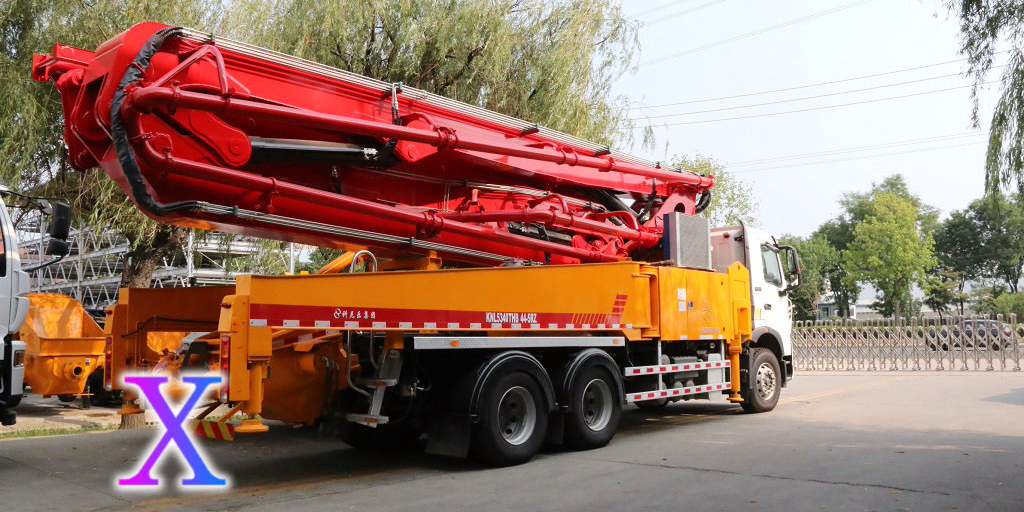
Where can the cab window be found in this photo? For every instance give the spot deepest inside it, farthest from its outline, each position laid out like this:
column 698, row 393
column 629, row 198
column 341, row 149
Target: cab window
column 772, row 270
column 3, row 254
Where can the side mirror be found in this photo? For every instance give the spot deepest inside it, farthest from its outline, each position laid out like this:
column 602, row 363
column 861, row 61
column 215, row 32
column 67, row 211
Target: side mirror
column 57, row 248
column 59, row 230
column 792, row 265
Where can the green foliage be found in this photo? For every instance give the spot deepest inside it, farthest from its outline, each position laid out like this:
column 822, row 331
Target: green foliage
column 732, row 199
column 817, row 259
column 986, row 26
column 318, row 258
column 999, row 222
column 941, row 289
column 552, row 62
column 270, row 257
column 31, row 118
column 1008, row 304
column 840, row 232
column 890, row 250
column 958, row 247
column 985, row 296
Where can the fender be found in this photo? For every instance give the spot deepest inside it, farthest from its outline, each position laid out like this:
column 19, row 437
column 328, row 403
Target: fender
column 785, row 364
column 578, row 363
column 563, row 382
column 449, row 433
column 508, row 361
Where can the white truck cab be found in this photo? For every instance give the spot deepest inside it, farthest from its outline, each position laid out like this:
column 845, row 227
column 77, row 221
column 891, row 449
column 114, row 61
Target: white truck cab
column 770, row 283
column 14, row 284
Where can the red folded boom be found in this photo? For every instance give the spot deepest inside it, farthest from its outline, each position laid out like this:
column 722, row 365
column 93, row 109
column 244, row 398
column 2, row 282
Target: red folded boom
column 222, row 135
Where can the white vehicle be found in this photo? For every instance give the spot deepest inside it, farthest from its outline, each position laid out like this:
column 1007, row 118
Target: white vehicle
column 770, row 283
column 14, row 284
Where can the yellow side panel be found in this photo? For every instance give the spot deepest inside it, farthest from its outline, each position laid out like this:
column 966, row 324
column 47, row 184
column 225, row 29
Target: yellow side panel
column 552, row 297
column 710, row 314
column 694, row 304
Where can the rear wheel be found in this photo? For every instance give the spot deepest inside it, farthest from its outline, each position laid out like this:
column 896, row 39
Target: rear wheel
column 66, row 398
column 595, row 409
column 762, row 392
column 94, row 386
column 513, row 420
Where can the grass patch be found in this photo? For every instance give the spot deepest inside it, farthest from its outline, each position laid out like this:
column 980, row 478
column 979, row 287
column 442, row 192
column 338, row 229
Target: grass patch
column 56, row 431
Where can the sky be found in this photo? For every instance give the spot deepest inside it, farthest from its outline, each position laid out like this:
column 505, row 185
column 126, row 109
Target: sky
column 828, row 40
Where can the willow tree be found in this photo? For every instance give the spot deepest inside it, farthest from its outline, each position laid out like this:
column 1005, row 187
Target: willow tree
column 551, row 62
column 985, row 27
column 31, row 149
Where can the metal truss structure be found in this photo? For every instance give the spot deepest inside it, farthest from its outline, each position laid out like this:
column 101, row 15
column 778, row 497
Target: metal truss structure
column 91, row 272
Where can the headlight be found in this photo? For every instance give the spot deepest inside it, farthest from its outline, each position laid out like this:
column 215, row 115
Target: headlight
column 19, row 358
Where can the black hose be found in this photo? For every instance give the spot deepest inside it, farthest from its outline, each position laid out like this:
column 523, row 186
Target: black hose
column 703, row 202
column 129, row 165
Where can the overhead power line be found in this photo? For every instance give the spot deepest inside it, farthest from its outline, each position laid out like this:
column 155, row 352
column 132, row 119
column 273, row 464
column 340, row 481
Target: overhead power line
column 660, row 7
column 863, row 157
column 756, row 32
column 803, row 98
column 797, row 87
column 824, row 107
column 856, row 149
column 680, row 13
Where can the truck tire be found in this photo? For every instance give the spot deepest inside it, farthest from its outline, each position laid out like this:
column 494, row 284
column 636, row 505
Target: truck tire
column 594, row 409
column 765, row 386
column 513, row 420
column 100, row 395
column 12, row 401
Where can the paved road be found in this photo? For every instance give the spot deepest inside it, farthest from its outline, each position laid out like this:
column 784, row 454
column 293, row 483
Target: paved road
column 847, row 441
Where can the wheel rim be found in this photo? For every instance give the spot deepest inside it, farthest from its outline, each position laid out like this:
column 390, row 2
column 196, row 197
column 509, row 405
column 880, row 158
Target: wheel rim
column 766, row 381
column 517, row 415
column 596, row 405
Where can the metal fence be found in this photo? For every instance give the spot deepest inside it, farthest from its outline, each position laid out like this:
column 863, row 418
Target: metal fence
column 960, row 344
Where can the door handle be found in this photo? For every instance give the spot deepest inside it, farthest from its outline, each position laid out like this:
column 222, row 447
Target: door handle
column 767, row 306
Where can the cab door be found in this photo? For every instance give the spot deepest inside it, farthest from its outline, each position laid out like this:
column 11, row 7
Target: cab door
column 772, row 307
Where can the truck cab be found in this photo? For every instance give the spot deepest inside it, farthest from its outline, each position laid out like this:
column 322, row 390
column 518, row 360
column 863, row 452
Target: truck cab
column 14, row 284
column 774, row 272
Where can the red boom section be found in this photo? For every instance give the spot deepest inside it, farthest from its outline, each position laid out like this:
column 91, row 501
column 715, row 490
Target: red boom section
column 222, row 135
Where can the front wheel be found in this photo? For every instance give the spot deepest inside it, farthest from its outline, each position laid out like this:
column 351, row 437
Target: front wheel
column 762, row 392
column 513, row 420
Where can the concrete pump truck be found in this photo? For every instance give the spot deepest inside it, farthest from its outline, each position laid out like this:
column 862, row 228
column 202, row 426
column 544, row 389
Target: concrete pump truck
column 520, row 285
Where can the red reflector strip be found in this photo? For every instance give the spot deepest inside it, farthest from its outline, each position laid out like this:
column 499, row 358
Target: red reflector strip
column 652, row 370
column 213, row 429
column 674, row 392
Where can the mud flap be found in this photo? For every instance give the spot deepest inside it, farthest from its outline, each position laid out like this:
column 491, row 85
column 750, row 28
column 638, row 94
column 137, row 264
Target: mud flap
column 449, row 435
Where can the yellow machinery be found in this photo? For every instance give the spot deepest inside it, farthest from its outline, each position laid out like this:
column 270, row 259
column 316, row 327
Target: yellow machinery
column 389, row 355
column 64, row 345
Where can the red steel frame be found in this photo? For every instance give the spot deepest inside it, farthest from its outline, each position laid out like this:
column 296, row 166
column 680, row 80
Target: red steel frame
column 482, row 187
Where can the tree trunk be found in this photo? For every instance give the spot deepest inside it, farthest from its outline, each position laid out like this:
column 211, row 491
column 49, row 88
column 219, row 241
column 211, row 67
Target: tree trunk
column 132, row 421
column 143, row 258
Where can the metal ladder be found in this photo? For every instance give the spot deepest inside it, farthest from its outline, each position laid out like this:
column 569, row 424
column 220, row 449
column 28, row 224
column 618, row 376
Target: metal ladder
column 387, row 376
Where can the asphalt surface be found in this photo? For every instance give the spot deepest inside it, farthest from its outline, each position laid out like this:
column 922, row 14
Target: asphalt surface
column 837, row 441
